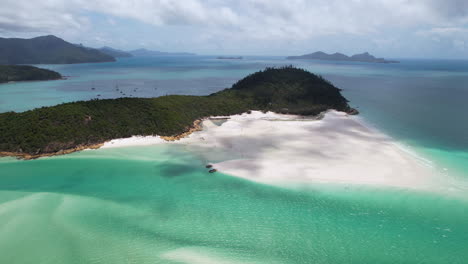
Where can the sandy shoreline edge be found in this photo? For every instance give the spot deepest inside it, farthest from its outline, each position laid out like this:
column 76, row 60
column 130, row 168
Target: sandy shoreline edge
column 130, row 141
column 282, row 150
column 26, row 156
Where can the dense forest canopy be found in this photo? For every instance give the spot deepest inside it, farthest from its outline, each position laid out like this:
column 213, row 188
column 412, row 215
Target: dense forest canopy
column 289, row 90
column 65, row 126
column 14, row 73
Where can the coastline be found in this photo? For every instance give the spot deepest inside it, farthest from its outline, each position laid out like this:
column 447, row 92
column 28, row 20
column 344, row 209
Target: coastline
column 139, row 140
column 289, row 150
column 335, row 149
column 197, row 126
column 450, row 176
column 26, row 81
column 27, row 156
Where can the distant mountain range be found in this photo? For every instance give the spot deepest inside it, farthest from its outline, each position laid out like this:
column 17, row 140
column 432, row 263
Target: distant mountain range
column 115, row 52
column 363, row 57
column 53, row 50
column 140, row 53
column 152, row 53
column 47, row 50
column 229, row 58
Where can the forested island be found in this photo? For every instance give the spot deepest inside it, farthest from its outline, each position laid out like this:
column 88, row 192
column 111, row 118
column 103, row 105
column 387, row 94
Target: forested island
column 47, row 50
column 15, row 73
column 74, row 126
column 319, row 55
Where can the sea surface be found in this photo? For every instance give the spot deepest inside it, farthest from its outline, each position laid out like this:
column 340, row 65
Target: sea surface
column 157, row 204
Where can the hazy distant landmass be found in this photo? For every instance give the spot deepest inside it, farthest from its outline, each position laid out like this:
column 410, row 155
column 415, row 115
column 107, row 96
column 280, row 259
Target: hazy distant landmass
column 47, row 50
column 15, row 73
column 363, row 57
column 115, row 52
column 153, row 53
column 74, row 126
column 229, row 58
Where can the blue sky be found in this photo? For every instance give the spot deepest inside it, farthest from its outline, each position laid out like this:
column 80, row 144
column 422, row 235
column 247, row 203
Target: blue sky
column 387, row 28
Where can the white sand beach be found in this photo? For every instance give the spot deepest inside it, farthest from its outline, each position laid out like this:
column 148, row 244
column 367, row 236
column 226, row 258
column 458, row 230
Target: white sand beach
column 285, row 149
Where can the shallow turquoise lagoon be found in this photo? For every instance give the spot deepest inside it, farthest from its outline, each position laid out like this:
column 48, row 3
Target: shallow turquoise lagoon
column 158, row 204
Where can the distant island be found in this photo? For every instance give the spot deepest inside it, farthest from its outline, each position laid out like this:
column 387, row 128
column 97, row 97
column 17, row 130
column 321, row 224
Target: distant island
column 75, row 126
column 15, row 73
column 115, row 52
column 47, row 50
column 229, row 58
column 363, row 57
column 153, row 53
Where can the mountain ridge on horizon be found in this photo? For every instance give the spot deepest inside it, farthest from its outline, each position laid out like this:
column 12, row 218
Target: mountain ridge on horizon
column 143, row 52
column 360, row 57
column 47, row 49
column 116, row 53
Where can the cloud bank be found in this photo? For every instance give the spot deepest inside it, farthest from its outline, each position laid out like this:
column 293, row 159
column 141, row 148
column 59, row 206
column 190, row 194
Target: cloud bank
column 246, row 25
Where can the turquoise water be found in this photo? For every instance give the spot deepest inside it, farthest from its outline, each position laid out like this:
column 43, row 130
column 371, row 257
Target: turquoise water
column 157, row 204
column 419, row 102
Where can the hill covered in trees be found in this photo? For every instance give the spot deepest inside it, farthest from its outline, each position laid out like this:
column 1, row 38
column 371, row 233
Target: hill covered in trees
column 71, row 125
column 47, row 50
column 287, row 90
column 15, row 73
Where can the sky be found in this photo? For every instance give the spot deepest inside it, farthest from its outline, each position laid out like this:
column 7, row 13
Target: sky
column 385, row 28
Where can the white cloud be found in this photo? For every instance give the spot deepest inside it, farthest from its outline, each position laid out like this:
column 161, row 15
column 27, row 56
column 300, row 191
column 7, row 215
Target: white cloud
column 444, row 31
column 459, row 44
column 38, row 16
column 261, row 18
column 258, row 22
column 457, row 36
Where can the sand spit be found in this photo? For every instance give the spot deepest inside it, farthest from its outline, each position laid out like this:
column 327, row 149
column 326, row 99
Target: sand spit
column 286, row 149
column 293, row 150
